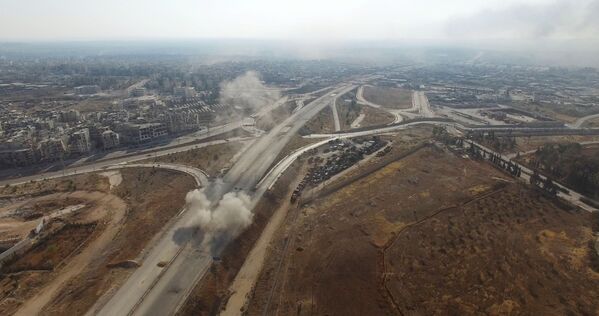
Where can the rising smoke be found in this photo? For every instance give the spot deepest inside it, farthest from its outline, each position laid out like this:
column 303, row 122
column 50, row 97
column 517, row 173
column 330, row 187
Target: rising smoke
column 247, row 93
column 221, row 221
column 559, row 18
column 223, row 214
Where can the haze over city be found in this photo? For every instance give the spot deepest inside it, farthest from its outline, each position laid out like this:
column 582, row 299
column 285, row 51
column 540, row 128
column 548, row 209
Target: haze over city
column 262, row 157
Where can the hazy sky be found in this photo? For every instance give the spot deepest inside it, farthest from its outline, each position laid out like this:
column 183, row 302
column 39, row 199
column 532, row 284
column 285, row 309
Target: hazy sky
column 298, row 19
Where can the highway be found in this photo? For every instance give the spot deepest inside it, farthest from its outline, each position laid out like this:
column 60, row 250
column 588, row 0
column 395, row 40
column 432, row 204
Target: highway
column 335, row 115
column 103, row 165
column 160, row 291
column 422, row 104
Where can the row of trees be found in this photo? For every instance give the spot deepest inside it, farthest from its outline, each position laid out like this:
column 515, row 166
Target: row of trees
column 568, row 163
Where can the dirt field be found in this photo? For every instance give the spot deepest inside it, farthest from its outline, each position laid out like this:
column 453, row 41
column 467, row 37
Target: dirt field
column 592, row 123
column 348, row 112
column 524, row 144
column 393, row 98
column 358, row 251
column 51, row 253
column 68, row 246
column 211, row 159
column 321, row 123
column 375, row 117
column 512, row 252
column 68, row 272
column 85, row 182
column 552, row 111
column 146, row 216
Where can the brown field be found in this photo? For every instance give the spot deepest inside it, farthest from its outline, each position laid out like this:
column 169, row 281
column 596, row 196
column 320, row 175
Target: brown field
column 393, row 98
column 94, row 105
column 524, row 144
column 67, row 272
column 347, row 113
column 321, row 123
column 48, row 254
column 511, row 252
column 594, row 123
column 85, row 182
column 154, row 197
column 375, row 117
column 410, row 239
column 211, row 159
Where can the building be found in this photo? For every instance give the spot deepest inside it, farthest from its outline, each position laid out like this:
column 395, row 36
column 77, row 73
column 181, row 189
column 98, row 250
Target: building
column 87, row 90
column 79, row 143
column 70, row 116
column 18, row 157
column 51, row 149
column 137, row 92
column 185, row 92
column 188, row 120
column 141, row 133
column 110, row 139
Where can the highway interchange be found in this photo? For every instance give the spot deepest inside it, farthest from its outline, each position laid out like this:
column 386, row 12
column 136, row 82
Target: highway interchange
column 157, row 290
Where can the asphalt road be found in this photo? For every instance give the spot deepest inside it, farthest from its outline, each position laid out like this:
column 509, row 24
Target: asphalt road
column 335, row 115
column 160, row 291
column 103, row 165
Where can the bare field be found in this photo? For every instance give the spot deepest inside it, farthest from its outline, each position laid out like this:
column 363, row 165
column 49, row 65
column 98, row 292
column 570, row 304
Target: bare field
column 332, row 260
column 410, row 239
column 69, row 270
column 373, row 117
column 524, row 144
column 85, row 182
column 594, row 123
column 211, row 159
column 322, row 123
column 511, row 252
column 154, row 196
column 64, row 248
column 393, row 98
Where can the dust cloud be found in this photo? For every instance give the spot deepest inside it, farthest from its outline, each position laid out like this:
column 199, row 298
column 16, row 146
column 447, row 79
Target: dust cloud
column 222, row 220
column 247, row 93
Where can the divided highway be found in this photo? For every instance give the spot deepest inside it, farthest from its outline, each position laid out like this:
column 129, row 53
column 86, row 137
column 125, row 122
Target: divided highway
column 160, row 291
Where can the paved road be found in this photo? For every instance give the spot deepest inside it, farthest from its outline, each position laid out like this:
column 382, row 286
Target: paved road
column 422, row 104
column 102, row 165
column 160, row 291
column 175, row 145
column 580, row 122
column 335, row 115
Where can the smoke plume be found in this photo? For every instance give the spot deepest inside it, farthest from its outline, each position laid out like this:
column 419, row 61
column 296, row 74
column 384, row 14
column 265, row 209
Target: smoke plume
column 247, row 93
column 560, row 18
column 220, row 221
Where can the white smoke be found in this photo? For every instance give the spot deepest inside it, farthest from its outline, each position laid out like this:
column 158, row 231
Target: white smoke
column 248, row 93
column 221, row 221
